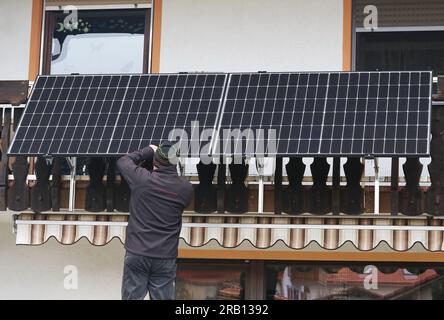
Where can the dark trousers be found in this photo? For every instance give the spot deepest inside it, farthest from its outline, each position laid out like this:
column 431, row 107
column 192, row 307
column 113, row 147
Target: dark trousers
column 143, row 274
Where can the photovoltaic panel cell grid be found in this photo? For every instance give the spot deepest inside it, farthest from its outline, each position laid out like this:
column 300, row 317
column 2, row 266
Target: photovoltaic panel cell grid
column 114, row 114
column 339, row 113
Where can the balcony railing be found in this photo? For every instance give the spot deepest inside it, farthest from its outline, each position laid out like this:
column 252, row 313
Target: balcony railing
column 327, row 200
column 316, row 186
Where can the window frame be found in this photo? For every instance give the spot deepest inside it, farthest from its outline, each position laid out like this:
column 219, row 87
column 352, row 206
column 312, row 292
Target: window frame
column 356, row 30
column 49, row 23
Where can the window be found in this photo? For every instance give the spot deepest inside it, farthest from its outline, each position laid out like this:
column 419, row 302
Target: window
column 97, row 41
column 209, row 282
column 407, row 35
column 406, row 50
column 327, row 282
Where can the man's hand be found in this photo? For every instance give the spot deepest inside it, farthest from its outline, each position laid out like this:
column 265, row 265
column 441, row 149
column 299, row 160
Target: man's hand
column 154, row 147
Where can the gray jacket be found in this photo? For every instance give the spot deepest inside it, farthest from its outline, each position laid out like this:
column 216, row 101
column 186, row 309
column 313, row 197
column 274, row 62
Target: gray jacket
column 158, row 199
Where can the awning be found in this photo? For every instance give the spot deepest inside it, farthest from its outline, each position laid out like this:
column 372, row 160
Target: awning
column 252, row 232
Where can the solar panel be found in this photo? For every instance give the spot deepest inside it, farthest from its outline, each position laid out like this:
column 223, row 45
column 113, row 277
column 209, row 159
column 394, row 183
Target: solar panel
column 337, row 113
column 114, row 114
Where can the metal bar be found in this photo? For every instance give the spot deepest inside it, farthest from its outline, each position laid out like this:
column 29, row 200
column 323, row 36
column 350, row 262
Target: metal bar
column 71, row 223
column 239, row 225
column 32, row 177
column 260, row 199
column 13, row 119
column 376, row 189
column 79, row 212
column 336, row 184
column 260, row 171
column 215, row 139
column 72, row 161
column 221, row 178
column 216, row 127
column 385, row 216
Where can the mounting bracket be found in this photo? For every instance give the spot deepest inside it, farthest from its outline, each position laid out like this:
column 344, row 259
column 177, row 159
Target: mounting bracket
column 260, row 170
column 72, row 162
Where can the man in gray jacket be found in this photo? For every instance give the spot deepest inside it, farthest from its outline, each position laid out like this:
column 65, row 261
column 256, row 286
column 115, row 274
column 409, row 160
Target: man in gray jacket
column 158, row 199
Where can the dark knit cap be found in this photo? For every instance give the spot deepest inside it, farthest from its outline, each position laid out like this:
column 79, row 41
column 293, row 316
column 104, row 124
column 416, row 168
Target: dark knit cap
column 165, row 154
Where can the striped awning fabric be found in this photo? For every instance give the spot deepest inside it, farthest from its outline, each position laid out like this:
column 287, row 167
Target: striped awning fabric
column 255, row 232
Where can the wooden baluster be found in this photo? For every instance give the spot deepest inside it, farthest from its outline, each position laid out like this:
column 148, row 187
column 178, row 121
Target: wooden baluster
column 4, row 170
column 278, row 186
column 221, row 179
column 95, row 199
column 17, row 196
column 205, row 194
column 293, row 196
column 122, row 196
column 336, row 186
column 394, row 185
column 40, row 192
column 411, row 194
column 435, row 194
column 354, row 194
column 18, row 193
column 320, row 193
column 237, row 191
column 56, row 183
column 17, row 116
column 110, row 184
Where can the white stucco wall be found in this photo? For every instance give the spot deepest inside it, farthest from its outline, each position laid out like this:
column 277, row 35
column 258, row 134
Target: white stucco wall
column 251, row 35
column 28, row 272
column 15, row 36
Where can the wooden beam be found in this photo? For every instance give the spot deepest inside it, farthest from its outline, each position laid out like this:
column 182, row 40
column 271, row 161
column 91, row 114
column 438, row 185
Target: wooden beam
column 14, row 92
column 36, row 37
column 296, row 255
column 347, row 35
column 157, row 27
column 4, row 144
